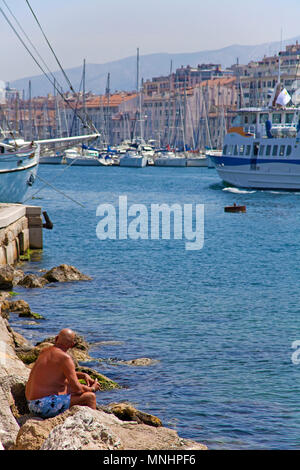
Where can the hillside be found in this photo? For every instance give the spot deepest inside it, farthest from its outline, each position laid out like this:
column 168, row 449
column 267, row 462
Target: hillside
column 123, row 72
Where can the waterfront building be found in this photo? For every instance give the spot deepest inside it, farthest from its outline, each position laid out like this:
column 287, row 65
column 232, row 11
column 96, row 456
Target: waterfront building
column 256, row 80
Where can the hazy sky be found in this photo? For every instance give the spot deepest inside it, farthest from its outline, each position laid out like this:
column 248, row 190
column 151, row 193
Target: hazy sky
column 102, row 31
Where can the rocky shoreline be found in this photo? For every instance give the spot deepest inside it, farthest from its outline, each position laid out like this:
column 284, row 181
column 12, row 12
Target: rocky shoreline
column 118, row 426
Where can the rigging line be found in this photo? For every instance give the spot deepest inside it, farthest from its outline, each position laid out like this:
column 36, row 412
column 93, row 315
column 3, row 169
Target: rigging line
column 61, row 192
column 88, row 120
column 28, row 39
column 51, row 48
column 43, row 187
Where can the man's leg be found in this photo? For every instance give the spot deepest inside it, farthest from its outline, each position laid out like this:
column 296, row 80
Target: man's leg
column 85, row 399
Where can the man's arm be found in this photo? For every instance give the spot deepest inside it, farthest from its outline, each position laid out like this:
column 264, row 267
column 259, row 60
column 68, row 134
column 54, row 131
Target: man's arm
column 74, row 385
column 88, row 380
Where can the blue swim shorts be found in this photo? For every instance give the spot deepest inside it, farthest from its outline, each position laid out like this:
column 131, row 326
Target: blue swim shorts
column 48, row 407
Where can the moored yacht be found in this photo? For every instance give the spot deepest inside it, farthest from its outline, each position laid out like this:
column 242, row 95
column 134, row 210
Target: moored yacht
column 170, row 159
column 133, row 159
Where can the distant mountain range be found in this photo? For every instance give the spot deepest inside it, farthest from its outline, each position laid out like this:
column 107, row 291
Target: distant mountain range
column 123, row 72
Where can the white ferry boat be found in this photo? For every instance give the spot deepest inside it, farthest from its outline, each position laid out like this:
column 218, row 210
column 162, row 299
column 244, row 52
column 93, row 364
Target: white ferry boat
column 262, row 149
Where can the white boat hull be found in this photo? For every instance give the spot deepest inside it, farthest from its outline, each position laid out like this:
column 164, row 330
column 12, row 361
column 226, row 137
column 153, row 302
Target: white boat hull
column 17, row 174
column 81, row 161
column 136, row 162
column 197, row 161
column 170, row 161
column 51, row 160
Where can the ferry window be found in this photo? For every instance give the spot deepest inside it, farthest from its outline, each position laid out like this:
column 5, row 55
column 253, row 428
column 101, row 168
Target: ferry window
column 229, row 149
column 253, row 119
column 225, row 150
column 281, row 150
column 236, row 121
column 288, row 150
column 263, row 118
column 275, row 150
column 235, row 150
column 242, row 148
column 248, row 150
column 268, row 150
column 289, row 118
column 276, row 118
column 246, row 120
column 261, row 150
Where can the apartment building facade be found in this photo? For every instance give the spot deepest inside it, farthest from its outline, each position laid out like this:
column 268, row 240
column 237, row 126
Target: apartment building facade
column 256, row 80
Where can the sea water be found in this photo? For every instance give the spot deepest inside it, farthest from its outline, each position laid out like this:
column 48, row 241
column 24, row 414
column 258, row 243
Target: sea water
column 219, row 321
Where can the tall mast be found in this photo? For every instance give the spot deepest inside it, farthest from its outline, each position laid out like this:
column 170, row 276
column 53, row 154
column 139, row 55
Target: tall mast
column 83, row 95
column 107, row 92
column 139, row 91
column 169, row 111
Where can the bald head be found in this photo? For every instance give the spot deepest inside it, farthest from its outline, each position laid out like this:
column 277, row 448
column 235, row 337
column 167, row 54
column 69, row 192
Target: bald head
column 65, row 338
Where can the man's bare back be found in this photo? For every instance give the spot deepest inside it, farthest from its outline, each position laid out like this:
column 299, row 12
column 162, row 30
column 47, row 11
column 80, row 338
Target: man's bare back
column 54, row 375
column 47, row 376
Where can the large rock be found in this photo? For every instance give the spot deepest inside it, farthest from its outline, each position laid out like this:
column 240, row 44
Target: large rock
column 65, row 273
column 82, row 428
column 32, row 281
column 85, row 430
column 35, row 431
column 13, row 376
column 127, row 412
column 140, row 362
column 20, row 307
column 9, row 277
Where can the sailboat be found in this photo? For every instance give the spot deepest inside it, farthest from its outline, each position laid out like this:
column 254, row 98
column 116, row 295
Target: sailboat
column 19, row 162
column 136, row 157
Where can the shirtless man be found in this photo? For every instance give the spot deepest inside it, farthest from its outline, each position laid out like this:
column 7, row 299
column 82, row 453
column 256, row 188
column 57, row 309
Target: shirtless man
column 53, row 385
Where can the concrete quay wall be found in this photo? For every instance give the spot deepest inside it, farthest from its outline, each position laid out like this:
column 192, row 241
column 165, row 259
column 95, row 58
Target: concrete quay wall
column 21, row 228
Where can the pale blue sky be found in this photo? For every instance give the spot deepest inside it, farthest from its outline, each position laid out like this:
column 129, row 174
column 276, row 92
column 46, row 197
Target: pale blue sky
column 103, row 31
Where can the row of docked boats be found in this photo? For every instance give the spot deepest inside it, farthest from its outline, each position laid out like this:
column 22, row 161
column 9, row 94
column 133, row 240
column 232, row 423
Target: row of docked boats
column 134, row 155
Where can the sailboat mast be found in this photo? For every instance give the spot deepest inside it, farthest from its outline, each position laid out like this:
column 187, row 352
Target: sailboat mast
column 107, row 91
column 139, row 91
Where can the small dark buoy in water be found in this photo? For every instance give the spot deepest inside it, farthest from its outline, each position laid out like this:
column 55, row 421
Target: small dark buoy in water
column 235, row 208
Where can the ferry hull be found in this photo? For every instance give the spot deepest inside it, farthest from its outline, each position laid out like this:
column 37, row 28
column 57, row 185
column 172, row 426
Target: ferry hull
column 285, row 176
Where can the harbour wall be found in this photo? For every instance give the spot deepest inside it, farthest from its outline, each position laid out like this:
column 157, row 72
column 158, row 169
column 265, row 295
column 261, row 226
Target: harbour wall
column 21, row 229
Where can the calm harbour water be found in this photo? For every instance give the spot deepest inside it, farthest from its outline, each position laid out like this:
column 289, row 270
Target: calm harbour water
column 220, row 321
